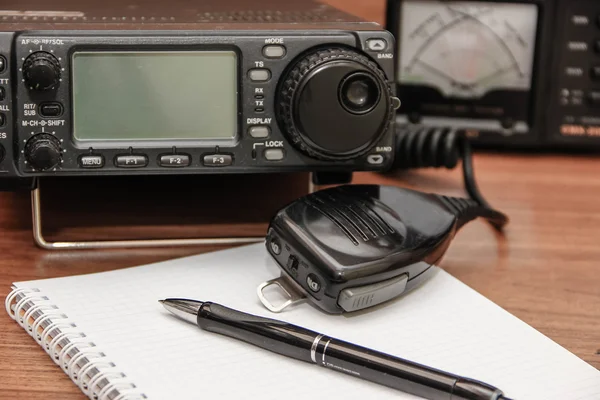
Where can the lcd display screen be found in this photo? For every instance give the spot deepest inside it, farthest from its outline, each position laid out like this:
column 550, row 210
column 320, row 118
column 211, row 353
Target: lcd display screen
column 154, row 96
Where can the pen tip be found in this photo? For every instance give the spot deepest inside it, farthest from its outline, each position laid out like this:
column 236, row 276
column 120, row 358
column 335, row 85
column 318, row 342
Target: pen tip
column 161, row 301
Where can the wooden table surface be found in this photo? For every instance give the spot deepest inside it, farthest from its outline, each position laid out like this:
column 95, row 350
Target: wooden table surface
column 545, row 270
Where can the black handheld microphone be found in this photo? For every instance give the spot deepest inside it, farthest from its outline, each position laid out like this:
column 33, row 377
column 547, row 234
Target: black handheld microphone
column 352, row 247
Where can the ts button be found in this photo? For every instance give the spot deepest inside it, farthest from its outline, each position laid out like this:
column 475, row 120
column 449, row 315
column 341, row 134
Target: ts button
column 313, row 282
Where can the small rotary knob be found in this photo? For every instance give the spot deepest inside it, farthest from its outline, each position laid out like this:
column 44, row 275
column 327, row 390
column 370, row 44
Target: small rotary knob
column 334, row 104
column 41, row 71
column 42, row 151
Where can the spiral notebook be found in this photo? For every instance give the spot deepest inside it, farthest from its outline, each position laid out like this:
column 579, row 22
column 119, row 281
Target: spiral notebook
column 109, row 333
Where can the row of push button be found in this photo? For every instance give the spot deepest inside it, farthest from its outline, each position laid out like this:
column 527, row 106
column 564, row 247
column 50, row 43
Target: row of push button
column 166, row 160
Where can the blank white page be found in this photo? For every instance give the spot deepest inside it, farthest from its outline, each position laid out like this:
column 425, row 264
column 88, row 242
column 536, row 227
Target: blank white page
column 443, row 324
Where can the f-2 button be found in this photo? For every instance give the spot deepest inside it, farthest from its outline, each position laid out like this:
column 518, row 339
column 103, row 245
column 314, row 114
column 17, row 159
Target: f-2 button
column 174, row 160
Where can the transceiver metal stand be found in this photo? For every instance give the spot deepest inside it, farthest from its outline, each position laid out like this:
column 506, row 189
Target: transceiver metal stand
column 41, row 241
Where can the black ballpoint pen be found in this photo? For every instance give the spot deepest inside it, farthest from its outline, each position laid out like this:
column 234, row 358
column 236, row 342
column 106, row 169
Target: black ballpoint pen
column 306, row 345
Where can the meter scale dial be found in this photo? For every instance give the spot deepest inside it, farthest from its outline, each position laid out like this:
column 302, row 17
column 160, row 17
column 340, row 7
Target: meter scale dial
column 466, row 49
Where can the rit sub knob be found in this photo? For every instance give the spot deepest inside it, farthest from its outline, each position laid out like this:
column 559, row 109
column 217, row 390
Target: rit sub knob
column 41, row 71
column 43, row 152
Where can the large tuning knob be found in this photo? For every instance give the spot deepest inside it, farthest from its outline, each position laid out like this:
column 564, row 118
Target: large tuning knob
column 41, row 71
column 42, row 151
column 334, row 104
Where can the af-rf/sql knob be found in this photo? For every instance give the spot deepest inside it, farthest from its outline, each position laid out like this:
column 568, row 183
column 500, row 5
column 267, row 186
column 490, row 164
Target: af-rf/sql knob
column 334, row 104
column 41, row 71
column 42, row 151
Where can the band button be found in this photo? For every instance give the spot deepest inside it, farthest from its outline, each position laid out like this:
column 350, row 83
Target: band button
column 375, row 159
column 217, row 160
column 131, row 161
column 376, row 44
column 273, row 51
column 91, row 161
column 259, row 75
column 174, row 160
column 259, row 131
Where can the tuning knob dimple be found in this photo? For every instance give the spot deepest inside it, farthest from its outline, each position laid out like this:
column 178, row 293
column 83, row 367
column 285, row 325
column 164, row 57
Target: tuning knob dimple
column 43, row 152
column 41, row 71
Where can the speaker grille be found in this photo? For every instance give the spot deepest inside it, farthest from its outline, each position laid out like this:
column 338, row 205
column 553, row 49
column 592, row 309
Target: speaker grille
column 264, row 16
column 355, row 217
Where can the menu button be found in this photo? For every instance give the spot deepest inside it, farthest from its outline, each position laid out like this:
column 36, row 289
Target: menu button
column 91, row 161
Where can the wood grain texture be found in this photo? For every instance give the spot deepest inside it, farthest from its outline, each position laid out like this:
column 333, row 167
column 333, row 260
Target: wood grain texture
column 545, row 270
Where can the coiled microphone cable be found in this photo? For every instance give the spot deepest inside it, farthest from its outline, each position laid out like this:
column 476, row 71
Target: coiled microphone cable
column 433, row 147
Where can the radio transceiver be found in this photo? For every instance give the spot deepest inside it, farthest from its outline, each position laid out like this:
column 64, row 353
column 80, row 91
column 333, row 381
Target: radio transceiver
column 192, row 88
column 509, row 73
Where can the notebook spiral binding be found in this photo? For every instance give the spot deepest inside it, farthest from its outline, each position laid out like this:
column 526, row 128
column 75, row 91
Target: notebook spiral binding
column 81, row 359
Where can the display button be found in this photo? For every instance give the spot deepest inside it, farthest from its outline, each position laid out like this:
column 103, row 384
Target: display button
column 2, row 94
column 273, row 51
column 2, row 119
column 91, row 161
column 218, row 160
column 174, row 160
column 2, row 64
column 259, row 131
column 259, row 75
column 376, row 44
column 131, row 161
column 375, row 159
column 274, row 154
column 51, row 109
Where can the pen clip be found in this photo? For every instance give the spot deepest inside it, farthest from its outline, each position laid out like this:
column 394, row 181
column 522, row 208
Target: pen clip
column 289, row 290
